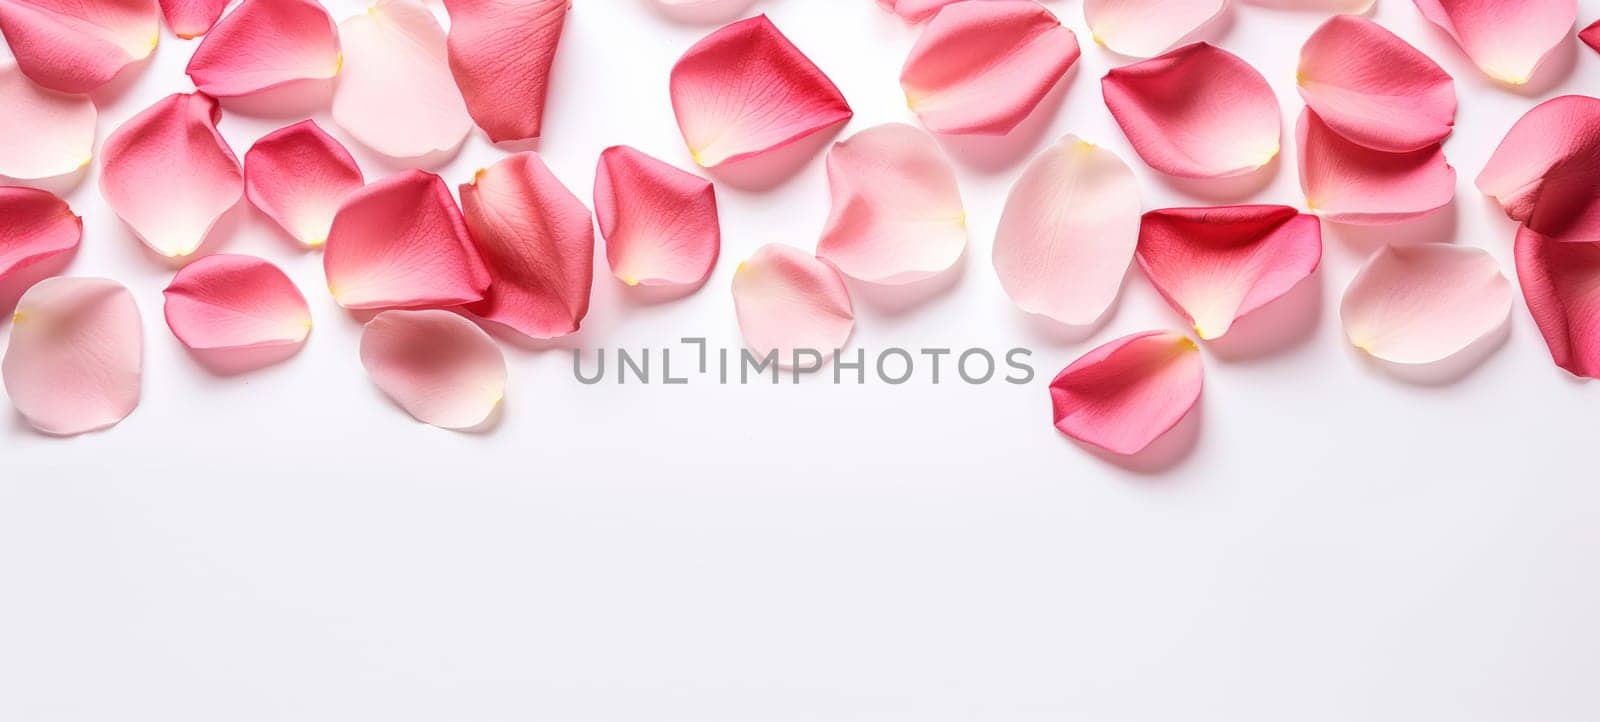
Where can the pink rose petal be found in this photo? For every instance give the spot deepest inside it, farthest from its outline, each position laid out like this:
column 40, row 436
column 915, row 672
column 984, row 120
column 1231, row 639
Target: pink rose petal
column 660, row 223
column 915, row 11
column 1068, row 232
column 745, row 89
column 1561, row 283
column 500, row 54
column 1218, row 264
column 76, row 355
column 1146, row 28
column 1591, row 35
column 1333, row 6
column 897, row 215
column 34, row 226
column 1196, row 112
column 1545, row 172
column 401, row 243
column 1347, row 183
column 538, row 242
column 227, row 301
column 192, row 18
column 47, row 134
column 170, row 175
column 75, row 46
column 298, row 176
column 266, row 44
column 786, row 300
column 1507, row 39
column 1373, row 88
column 981, row 67
column 395, row 94
column 438, row 366
column 1422, row 303
column 1127, row 393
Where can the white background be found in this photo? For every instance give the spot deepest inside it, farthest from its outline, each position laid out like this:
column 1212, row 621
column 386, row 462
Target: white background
column 1323, row 540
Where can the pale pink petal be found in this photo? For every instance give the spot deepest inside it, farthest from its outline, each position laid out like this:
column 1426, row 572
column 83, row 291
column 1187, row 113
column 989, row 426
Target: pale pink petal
column 298, row 176
column 34, row 226
column 538, row 242
column 192, row 18
column 1545, row 172
column 788, row 300
column 1127, row 393
column 227, row 301
column 76, row 355
column 1373, row 88
column 1591, row 35
column 1145, row 28
column 47, row 134
column 1507, row 39
column 1331, row 6
column 1421, row 303
column 400, row 243
column 395, row 93
column 1347, row 183
column 436, row 365
column 745, row 89
column 500, row 54
column 170, row 175
column 266, row 44
column 1068, row 232
column 1218, row 264
column 897, row 215
column 1196, row 112
column 981, row 67
column 75, row 46
column 660, row 223
column 1561, row 283
column 915, row 11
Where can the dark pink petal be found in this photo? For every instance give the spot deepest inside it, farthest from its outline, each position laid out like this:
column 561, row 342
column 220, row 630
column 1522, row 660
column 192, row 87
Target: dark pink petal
column 1545, row 172
column 227, row 301
column 1146, row 28
column 395, row 93
column 538, row 242
column 438, row 366
column 788, row 300
column 745, row 89
column 1561, row 283
column 1424, row 302
column 981, row 67
column 500, row 54
column 660, row 223
column 76, row 355
column 1507, row 39
column 298, row 176
column 1127, row 393
column 1373, row 88
column 34, row 226
column 75, row 46
column 1347, row 183
column 192, row 18
column 47, row 134
column 1591, row 35
column 400, row 243
column 266, row 44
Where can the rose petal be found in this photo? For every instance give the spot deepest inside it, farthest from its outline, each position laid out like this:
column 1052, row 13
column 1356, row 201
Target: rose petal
column 298, row 176
column 1333, row 6
column 400, row 243
column 1545, row 171
column 227, row 301
column 1421, row 303
column 76, row 354
column 436, row 365
column 1218, row 264
column 170, row 175
column 1507, row 39
column 660, row 223
column 1347, row 183
column 34, row 226
column 1127, row 393
column 192, row 18
column 1068, row 232
column 981, row 67
column 897, row 215
column 1196, row 112
column 538, row 242
column 745, row 89
column 915, row 11
column 1373, row 88
column 787, row 299
column 1591, row 35
column 47, row 134
column 266, row 44
column 395, row 94
column 1145, row 28
column 500, row 54
column 75, row 46
column 1561, row 283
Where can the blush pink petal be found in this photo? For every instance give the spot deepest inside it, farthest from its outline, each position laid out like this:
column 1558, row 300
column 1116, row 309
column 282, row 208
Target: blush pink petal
column 500, row 55
column 897, row 215
column 75, row 46
column 395, row 93
column 76, row 355
column 660, row 223
column 980, row 68
column 1422, row 303
column 441, row 368
column 401, row 243
column 192, row 18
column 1545, row 172
column 34, row 226
column 1068, row 232
column 47, row 134
column 1507, row 39
column 1332, row 6
column 1218, row 264
column 915, row 11
column 1591, row 35
column 170, row 175
column 538, row 242
column 266, row 44
column 787, row 299
column 1347, row 183
column 1127, row 393
column 298, row 176
column 1196, row 112
column 227, row 301
column 1146, row 28
column 745, row 89
column 1561, row 282
column 1373, row 88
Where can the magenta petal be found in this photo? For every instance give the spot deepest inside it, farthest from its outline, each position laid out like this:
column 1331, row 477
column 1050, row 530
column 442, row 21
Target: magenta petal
column 1127, row 393
column 1561, row 283
column 34, row 226
column 76, row 355
column 660, row 223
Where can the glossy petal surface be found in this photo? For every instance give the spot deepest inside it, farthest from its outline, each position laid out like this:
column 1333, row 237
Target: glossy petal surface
column 401, row 243
column 76, row 355
column 1373, row 88
column 1423, row 303
column 1347, row 183
column 298, row 176
column 395, row 93
column 1127, row 393
column 660, row 223
column 266, row 44
column 441, row 368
